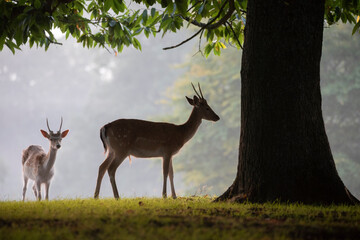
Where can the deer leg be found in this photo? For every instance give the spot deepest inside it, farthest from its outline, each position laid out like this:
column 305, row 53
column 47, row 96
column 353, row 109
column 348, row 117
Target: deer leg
column 102, row 169
column 38, row 189
column 112, row 170
column 25, row 187
column 34, row 189
column 171, row 177
column 166, row 163
column 47, row 185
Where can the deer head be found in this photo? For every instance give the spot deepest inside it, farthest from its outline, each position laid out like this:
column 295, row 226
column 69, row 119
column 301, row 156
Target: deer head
column 200, row 103
column 54, row 137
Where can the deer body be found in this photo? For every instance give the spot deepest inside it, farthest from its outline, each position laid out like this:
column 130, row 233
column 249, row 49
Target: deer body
column 143, row 144
column 39, row 165
column 145, row 139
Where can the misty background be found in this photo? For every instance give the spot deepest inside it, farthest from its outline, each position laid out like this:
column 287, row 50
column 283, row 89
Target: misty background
column 90, row 88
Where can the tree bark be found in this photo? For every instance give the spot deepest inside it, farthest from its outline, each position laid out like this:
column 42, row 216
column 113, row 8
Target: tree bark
column 284, row 153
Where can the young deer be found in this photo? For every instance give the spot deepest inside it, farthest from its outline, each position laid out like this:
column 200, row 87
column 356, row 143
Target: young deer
column 39, row 165
column 144, row 139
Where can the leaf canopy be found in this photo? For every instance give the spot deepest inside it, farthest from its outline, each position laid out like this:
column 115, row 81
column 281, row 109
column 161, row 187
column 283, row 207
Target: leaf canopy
column 113, row 24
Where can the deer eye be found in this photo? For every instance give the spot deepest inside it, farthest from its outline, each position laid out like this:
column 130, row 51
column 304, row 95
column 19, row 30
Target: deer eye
column 207, row 109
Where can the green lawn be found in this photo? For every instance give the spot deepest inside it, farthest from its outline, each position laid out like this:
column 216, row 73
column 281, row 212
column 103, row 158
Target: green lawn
column 183, row 218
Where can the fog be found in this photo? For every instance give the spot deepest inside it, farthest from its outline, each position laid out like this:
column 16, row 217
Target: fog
column 88, row 88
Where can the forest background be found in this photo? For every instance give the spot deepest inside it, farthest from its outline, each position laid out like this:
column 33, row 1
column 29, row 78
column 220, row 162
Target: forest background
column 92, row 87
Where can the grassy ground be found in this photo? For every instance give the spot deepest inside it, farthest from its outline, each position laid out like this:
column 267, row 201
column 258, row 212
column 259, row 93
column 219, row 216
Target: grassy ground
column 183, row 218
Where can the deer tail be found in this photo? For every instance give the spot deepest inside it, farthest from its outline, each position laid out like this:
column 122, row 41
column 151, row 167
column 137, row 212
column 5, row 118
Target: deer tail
column 103, row 137
column 25, row 155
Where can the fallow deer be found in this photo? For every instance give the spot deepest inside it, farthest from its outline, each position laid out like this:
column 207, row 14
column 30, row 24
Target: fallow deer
column 124, row 137
column 39, row 165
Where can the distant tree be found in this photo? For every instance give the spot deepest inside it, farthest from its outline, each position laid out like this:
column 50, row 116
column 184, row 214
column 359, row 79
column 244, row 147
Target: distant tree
column 284, row 153
column 340, row 82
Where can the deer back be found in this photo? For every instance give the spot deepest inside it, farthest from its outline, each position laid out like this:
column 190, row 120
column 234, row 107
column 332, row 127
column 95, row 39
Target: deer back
column 144, row 138
column 33, row 158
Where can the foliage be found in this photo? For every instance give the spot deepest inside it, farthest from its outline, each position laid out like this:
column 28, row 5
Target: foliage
column 114, row 24
column 209, row 159
column 111, row 23
column 185, row 218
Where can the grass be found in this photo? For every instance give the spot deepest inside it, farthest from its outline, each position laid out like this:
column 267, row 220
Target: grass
column 183, row 218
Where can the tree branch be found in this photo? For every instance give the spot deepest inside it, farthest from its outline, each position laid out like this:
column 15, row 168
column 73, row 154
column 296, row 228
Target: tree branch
column 220, row 22
column 223, row 20
column 236, row 37
column 52, row 42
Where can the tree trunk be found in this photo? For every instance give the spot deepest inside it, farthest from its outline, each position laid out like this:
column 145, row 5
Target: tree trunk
column 284, row 153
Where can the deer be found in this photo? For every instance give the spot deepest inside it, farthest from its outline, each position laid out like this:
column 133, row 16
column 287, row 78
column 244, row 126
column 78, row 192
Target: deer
column 123, row 138
column 38, row 165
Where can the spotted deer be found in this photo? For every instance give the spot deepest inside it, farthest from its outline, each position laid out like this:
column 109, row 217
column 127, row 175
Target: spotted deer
column 39, row 165
column 131, row 137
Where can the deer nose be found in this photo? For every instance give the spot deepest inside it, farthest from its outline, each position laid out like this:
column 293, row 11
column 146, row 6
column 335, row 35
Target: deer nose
column 58, row 146
column 217, row 118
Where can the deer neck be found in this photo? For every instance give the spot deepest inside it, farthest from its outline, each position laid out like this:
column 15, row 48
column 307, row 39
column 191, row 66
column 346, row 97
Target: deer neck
column 50, row 159
column 191, row 125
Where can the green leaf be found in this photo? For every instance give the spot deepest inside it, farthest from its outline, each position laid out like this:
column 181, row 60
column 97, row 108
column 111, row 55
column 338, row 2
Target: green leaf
column 166, row 23
column 222, row 45
column 217, row 48
column 18, row 37
column 154, row 21
column 201, row 8
column 135, row 14
column 147, row 32
column 208, row 49
column 170, row 8
column 144, row 17
column 118, row 31
column 153, row 12
column 127, row 31
column 67, row 34
column 31, row 42
column 12, row 46
column 356, row 27
column 136, row 44
column 37, row 4
column 165, row 3
column 2, row 41
column 119, row 5
column 350, row 17
column 120, row 47
column 182, row 6
column 137, row 31
column 108, row 4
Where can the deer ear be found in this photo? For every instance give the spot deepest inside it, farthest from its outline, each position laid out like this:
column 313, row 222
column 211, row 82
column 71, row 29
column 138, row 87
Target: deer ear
column 45, row 134
column 190, row 101
column 64, row 133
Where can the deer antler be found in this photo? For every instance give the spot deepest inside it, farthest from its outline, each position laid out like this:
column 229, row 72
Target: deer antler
column 196, row 91
column 47, row 123
column 202, row 96
column 61, row 124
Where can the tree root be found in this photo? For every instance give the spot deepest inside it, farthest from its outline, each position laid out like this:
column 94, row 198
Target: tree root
column 352, row 197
